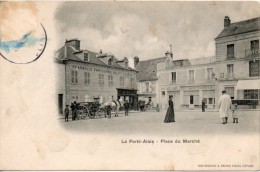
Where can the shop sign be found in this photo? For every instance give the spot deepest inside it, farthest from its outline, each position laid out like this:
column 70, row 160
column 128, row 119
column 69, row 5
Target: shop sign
column 94, row 69
column 203, row 87
column 172, row 88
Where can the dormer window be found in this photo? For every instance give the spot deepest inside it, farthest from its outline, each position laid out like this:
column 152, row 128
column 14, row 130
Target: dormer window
column 109, row 62
column 86, row 57
column 126, row 64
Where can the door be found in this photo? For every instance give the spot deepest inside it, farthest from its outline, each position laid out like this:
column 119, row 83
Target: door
column 60, row 103
column 191, row 99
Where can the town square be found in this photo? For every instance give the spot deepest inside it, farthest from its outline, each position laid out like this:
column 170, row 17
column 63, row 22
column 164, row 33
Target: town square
column 151, row 124
column 169, row 86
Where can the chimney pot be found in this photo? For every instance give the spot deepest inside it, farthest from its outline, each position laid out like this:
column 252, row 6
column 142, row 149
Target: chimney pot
column 75, row 43
column 227, row 21
column 136, row 61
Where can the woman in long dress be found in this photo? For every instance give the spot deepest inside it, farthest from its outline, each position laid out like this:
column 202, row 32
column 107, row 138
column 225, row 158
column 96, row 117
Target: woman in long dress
column 170, row 112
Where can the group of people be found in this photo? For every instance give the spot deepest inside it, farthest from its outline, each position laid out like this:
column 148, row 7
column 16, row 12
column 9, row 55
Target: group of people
column 74, row 107
column 224, row 103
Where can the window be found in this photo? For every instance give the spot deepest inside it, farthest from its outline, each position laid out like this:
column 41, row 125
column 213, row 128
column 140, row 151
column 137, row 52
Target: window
column 122, row 81
column 230, row 51
column 230, row 71
column 191, row 75
column 147, row 86
column 110, row 62
column 110, row 80
column 86, row 58
column 87, row 77
column 250, row 94
column 211, row 101
column 126, row 64
column 163, row 93
column 74, row 77
column 254, row 68
column 230, row 91
column 255, row 45
column 174, row 77
column 101, row 80
column 209, row 74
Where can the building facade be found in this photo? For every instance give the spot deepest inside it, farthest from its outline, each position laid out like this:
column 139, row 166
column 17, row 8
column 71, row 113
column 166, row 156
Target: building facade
column 86, row 75
column 147, row 78
column 235, row 68
column 237, row 55
column 188, row 81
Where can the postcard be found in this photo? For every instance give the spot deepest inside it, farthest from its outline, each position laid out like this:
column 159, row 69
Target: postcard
column 133, row 85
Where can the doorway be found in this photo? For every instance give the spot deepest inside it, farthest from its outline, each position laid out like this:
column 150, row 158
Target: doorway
column 60, row 103
column 191, row 99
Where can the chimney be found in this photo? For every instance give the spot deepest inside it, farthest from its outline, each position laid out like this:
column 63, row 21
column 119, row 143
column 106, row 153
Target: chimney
column 75, row 43
column 226, row 21
column 136, row 61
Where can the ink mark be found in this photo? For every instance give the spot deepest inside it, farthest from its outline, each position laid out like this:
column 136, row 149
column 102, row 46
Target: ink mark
column 24, row 49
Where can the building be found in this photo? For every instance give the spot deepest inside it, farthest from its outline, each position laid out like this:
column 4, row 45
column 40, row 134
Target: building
column 84, row 74
column 237, row 55
column 147, row 78
column 235, row 68
column 188, row 81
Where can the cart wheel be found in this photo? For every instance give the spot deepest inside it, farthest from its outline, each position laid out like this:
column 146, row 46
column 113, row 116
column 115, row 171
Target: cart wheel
column 100, row 113
column 84, row 114
column 91, row 115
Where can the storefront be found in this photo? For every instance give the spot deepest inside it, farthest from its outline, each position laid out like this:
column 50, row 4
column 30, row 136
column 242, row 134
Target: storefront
column 248, row 90
column 193, row 96
column 130, row 95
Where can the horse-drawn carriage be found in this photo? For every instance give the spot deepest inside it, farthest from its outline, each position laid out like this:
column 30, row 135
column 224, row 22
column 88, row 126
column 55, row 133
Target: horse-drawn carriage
column 90, row 109
column 150, row 107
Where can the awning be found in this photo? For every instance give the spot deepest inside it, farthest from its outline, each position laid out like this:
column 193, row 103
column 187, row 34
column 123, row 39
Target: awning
column 248, row 85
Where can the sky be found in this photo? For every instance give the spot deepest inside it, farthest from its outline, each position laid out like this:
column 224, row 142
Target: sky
column 147, row 29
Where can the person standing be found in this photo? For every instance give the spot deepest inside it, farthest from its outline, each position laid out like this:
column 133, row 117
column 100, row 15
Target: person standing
column 126, row 106
column 203, row 106
column 67, row 112
column 170, row 112
column 72, row 107
column 108, row 109
column 224, row 104
column 234, row 112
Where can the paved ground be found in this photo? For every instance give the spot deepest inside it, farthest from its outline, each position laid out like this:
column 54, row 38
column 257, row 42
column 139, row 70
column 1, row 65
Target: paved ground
column 152, row 123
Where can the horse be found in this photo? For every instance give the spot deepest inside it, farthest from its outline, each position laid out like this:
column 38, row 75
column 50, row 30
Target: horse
column 114, row 104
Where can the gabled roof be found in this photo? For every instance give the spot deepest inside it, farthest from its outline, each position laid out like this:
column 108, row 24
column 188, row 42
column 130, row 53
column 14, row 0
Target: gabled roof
column 148, row 69
column 73, row 54
column 245, row 26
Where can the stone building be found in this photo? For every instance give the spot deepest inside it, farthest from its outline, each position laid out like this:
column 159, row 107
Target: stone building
column 188, row 81
column 237, row 55
column 84, row 74
column 234, row 69
column 147, row 78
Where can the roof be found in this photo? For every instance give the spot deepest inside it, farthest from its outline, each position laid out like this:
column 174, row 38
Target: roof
column 148, row 69
column 245, row 26
column 73, row 54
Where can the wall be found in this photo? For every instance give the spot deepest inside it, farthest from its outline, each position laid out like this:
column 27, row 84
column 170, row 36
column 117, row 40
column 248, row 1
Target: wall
column 241, row 43
column 94, row 89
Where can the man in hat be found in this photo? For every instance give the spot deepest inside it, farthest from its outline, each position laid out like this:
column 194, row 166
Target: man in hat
column 126, row 106
column 203, row 106
column 224, row 104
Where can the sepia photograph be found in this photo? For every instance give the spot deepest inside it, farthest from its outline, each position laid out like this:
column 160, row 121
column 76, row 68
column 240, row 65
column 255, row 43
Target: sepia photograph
column 129, row 85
